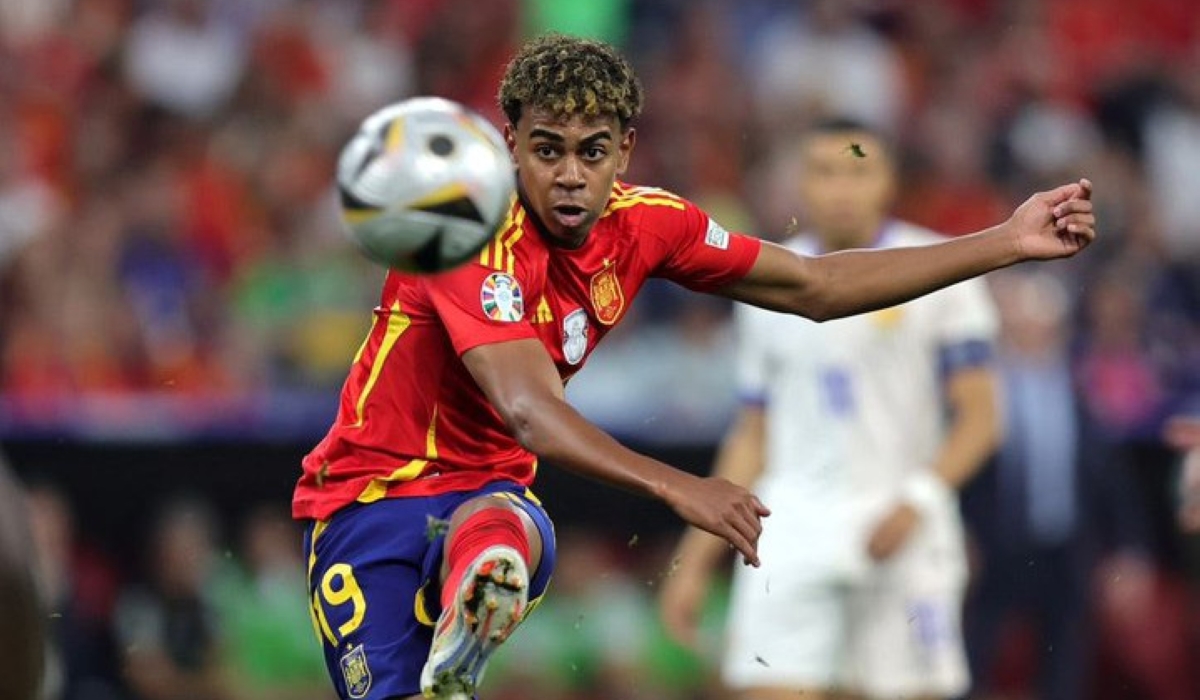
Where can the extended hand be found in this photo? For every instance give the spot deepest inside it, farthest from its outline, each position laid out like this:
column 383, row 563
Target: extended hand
column 1055, row 224
column 722, row 508
column 892, row 532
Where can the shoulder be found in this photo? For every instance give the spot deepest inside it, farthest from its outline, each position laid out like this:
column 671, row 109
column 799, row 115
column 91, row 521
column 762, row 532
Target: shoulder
column 642, row 199
column 514, row 246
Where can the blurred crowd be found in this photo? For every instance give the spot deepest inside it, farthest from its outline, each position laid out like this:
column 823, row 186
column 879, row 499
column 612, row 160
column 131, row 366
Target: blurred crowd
column 168, row 231
column 171, row 262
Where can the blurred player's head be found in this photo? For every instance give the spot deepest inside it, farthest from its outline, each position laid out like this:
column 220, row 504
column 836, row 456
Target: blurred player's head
column 847, row 182
column 570, row 104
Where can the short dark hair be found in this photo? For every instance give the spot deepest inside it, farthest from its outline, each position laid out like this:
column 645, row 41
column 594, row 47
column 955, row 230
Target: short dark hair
column 840, row 125
column 570, row 75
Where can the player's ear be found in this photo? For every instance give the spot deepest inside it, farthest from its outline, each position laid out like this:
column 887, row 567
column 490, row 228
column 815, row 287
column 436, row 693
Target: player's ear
column 510, row 138
column 625, row 149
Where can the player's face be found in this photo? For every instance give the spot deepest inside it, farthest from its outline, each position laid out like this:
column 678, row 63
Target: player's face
column 846, row 187
column 566, row 167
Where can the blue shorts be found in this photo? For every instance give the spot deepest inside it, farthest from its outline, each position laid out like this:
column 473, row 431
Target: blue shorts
column 373, row 572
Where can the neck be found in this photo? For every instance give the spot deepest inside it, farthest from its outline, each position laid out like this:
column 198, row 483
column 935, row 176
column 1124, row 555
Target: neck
column 867, row 237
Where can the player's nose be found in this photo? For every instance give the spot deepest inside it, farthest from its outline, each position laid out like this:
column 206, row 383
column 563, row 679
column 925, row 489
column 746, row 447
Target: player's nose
column 570, row 173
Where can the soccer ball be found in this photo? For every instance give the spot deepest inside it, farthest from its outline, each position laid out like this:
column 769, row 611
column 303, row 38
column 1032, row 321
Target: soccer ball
column 424, row 184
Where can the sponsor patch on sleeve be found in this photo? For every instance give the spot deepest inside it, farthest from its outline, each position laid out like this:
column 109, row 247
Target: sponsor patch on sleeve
column 501, row 298
column 717, row 236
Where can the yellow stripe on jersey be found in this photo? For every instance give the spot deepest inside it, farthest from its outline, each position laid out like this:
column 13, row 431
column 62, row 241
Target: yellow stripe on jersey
column 498, row 254
column 362, row 348
column 632, row 201
column 543, row 313
column 491, row 249
column 397, row 323
column 624, row 196
column 378, row 487
column 511, row 240
column 431, row 452
column 641, row 191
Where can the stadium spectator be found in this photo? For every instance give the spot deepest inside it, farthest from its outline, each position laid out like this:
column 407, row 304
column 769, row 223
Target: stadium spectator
column 79, row 587
column 167, row 626
column 1058, row 499
column 268, row 635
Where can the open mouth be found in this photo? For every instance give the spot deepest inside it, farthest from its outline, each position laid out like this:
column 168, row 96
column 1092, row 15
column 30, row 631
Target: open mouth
column 570, row 215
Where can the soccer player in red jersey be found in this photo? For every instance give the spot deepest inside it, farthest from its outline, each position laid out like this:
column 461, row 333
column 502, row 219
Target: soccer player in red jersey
column 457, row 391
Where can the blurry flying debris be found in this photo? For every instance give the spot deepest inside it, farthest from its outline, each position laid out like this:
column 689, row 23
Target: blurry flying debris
column 768, row 584
column 673, row 568
column 793, row 227
column 632, row 541
column 579, row 622
column 762, row 661
column 856, row 150
column 435, row 527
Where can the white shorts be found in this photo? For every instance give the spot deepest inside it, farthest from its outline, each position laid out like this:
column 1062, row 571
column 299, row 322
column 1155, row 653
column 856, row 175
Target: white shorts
column 895, row 632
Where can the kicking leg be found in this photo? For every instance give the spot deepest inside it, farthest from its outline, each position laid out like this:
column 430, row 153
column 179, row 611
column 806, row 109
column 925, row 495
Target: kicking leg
column 491, row 548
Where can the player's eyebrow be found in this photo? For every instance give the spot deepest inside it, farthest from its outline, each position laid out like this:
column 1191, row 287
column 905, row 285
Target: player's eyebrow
column 539, row 132
column 602, row 135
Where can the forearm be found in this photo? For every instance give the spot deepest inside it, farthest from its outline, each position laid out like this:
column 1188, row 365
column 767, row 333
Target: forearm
column 557, row 433
column 856, row 281
column 975, row 428
column 969, row 443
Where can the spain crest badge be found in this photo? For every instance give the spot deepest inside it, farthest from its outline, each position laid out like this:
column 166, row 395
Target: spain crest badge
column 356, row 672
column 607, row 298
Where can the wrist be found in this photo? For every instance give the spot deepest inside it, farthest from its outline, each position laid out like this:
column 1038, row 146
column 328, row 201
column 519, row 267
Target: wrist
column 924, row 490
column 1007, row 245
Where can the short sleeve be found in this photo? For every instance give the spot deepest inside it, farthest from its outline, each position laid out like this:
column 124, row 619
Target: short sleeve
column 967, row 326
column 479, row 305
column 751, row 362
column 696, row 251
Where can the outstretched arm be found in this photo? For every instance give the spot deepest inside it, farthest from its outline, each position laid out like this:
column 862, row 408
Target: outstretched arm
column 1054, row 224
column 522, row 384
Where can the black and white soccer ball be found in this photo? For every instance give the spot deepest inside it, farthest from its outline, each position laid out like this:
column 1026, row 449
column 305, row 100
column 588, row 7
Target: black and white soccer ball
column 424, row 184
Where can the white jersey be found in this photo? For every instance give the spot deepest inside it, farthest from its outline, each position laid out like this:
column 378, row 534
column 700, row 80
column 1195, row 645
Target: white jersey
column 854, row 406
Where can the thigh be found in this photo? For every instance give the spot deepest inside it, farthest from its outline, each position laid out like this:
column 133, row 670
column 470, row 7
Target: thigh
column 367, row 567
column 786, row 630
column 906, row 638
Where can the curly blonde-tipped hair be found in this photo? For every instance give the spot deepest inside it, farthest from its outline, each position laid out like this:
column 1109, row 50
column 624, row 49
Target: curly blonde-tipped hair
column 569, row 75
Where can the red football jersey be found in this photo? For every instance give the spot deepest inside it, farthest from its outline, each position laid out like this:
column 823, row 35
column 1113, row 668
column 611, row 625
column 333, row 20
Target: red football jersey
column 413, row 422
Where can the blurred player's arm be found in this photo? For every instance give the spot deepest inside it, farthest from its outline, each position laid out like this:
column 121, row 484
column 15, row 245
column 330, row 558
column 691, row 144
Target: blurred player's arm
column 1048, row 225
column 975, row 428
column 681, row 598
column 972, row 435
column 522, row 384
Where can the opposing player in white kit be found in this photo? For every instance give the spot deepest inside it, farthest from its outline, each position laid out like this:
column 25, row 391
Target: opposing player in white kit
column 856, row 433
